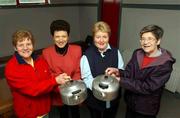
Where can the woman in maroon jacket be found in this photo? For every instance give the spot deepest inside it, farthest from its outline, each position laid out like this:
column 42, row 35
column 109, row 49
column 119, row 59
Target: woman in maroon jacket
column 145, row 75
column 29, row 78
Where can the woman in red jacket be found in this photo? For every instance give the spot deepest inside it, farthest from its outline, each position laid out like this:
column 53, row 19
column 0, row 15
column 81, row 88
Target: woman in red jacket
column 62, row 57
column 29, row 79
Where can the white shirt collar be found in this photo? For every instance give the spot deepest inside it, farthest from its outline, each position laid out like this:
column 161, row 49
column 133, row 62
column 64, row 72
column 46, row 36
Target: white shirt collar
column 108, row 47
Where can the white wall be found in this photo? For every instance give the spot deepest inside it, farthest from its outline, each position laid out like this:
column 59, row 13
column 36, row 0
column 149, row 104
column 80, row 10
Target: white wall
column 74, row 1
column 86, row 20
column 134, row 19
column 88, row 15
column 88, row 1
column 152, row 1
column 63, row 1
column 38, row 20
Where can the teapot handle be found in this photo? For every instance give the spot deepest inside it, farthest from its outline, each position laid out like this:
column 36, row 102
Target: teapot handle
column 76, row 97
column 103, row 86
column 76, row 92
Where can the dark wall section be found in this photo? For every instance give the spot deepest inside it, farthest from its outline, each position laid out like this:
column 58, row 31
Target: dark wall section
column 110, row 11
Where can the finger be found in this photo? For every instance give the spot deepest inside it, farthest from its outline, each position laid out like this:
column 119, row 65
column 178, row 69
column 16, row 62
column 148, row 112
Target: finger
column 64, row 74
column 113, row 75
column 67, row 77
column 110, row 72
column 118, row 78
column 106, row 70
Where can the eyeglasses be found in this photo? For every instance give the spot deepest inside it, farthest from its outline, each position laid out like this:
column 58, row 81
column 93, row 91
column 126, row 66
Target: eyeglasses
column 147, row 39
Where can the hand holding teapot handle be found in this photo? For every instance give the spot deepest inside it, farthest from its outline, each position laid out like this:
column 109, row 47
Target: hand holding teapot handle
column 112, row 71
column 62, row 78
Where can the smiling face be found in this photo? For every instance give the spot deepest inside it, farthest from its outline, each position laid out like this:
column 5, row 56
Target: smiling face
column 23, row 42
column 60, row 38
column 101, row 40
column 101, row 34
column 24, row 48
column 149, row 43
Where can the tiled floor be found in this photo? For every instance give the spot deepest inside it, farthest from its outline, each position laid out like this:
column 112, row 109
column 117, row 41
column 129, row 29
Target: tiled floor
column 170, row 107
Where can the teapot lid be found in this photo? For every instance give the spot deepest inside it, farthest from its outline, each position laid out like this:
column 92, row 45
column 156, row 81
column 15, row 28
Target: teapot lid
column 72, row 83
column 72, row 86
column 105, row 79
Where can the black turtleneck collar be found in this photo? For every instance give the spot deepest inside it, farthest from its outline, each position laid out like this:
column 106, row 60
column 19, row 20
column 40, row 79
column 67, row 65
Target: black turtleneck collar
column 63, row 50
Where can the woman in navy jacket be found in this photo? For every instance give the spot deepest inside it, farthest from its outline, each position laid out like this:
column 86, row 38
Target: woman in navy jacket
column 145, row 75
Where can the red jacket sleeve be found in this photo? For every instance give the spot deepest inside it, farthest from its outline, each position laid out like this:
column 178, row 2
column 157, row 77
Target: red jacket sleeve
column 28, row 80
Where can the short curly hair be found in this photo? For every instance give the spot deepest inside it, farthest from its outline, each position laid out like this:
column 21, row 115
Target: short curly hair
column 21, row 35
column 59, row 25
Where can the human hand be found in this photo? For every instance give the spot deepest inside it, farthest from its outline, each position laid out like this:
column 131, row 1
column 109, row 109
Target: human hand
column 117, row 77
column 62, row 78
column 112, row 71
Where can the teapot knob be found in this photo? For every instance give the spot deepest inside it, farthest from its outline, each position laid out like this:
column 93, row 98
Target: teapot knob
column 105, row 77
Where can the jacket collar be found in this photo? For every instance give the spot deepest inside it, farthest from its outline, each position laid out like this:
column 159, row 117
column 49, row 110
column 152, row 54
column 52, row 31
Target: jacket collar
column 160, row 60
column 21, row 60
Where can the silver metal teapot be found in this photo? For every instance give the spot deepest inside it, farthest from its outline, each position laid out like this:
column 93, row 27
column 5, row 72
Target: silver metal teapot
column 73, row 92
column 105, row 87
